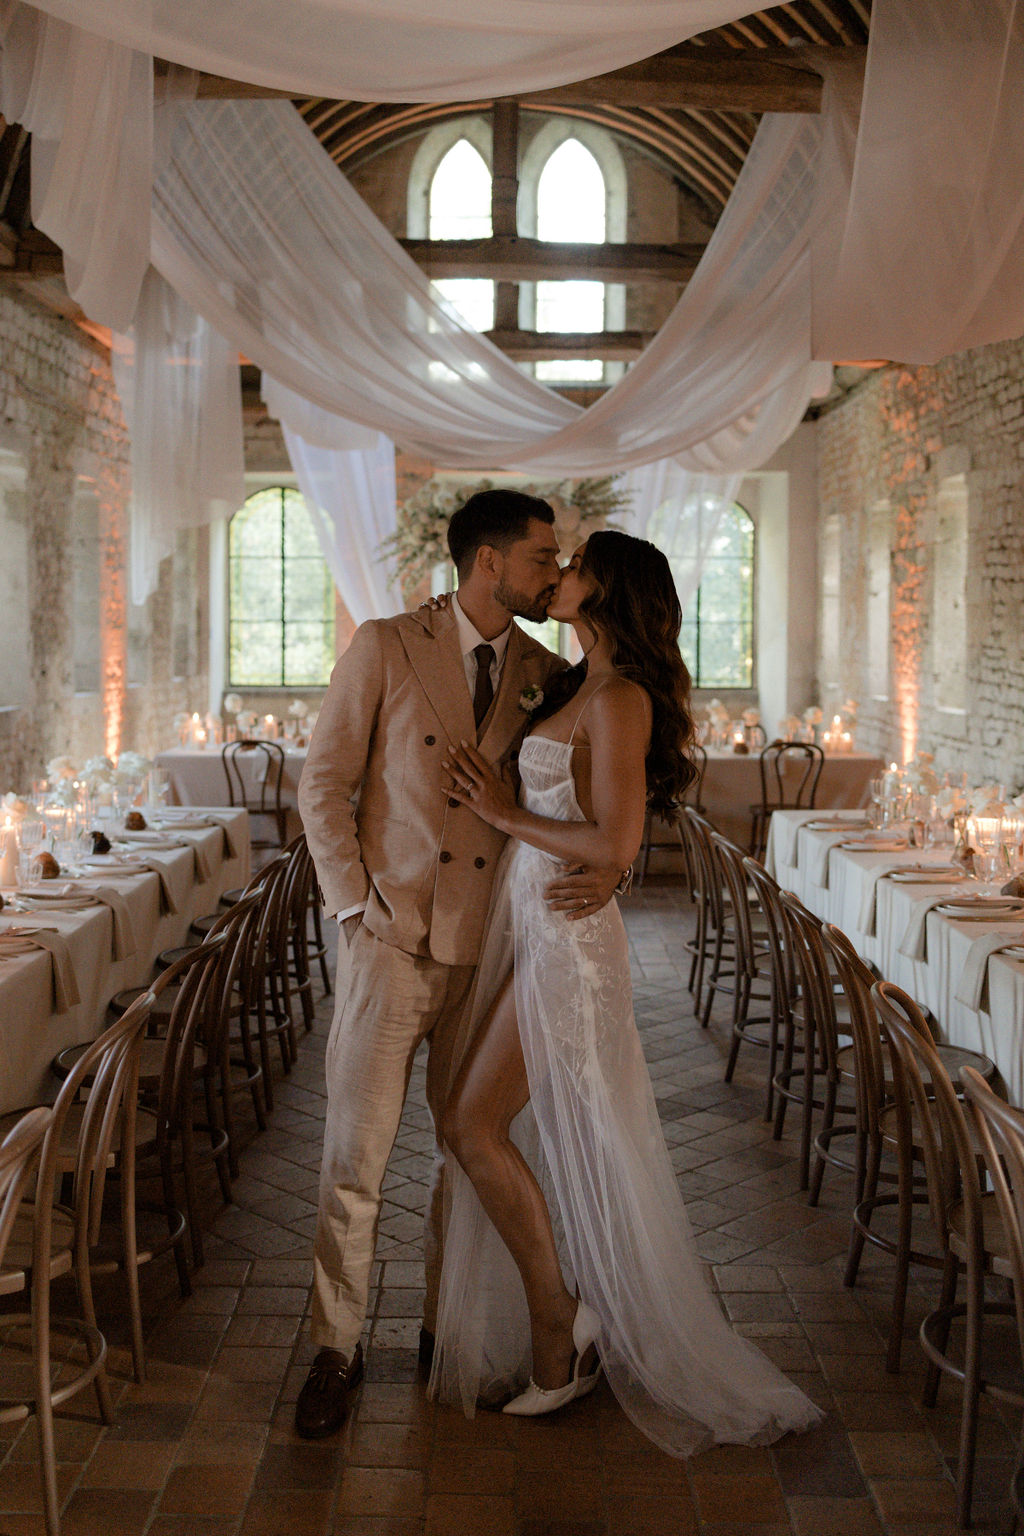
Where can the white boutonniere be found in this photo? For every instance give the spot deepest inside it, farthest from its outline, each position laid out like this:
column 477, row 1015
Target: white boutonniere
column 531, row 698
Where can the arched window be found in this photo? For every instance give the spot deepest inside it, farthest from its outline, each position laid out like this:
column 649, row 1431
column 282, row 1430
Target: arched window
column 571, row 206
column 459, row 208
column 280, row 595
column 717, row 637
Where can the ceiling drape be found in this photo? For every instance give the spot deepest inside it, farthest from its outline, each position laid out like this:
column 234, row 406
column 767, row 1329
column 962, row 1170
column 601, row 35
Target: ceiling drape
column 399, row 50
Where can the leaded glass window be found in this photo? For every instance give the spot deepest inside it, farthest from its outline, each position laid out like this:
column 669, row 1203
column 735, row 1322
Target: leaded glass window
column 717, row 637
column 571, row 201
column 280, row 595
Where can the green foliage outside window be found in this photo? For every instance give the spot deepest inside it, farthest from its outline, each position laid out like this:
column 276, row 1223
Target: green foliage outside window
column 717, row 637
column 280, row 596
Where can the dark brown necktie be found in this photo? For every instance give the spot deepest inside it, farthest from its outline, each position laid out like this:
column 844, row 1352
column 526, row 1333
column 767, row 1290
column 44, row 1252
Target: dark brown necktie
column 483, row 693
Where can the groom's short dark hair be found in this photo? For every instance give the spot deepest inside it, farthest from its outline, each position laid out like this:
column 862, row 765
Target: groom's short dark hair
column 497, row 518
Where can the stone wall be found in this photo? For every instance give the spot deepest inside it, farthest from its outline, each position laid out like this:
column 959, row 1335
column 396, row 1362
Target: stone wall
column 921, row 559
column 81, row 670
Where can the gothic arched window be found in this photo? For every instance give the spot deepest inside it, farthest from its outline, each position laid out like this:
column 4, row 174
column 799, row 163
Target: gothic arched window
column 280, row 595
column 571, row 206
column 459, row 208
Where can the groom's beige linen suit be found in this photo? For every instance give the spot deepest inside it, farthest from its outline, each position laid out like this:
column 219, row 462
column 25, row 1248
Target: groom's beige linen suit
column 383, row 833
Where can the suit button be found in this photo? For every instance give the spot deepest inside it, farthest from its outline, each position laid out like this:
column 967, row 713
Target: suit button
column 454, row 804
column 445, row 858
column 428, row 741
column 479, row 863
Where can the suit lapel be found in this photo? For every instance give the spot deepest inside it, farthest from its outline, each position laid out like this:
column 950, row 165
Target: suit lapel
column 432, row 647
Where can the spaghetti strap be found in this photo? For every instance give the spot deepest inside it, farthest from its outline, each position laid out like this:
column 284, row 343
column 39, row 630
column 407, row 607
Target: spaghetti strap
column 583, row 707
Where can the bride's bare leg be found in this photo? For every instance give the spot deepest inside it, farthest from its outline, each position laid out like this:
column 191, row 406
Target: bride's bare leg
column 489, row 1092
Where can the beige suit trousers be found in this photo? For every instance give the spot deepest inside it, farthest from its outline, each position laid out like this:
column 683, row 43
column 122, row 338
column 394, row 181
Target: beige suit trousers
column 392, row 1003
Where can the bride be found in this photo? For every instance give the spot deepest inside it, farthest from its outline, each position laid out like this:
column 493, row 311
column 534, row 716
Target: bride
column 561, row 1186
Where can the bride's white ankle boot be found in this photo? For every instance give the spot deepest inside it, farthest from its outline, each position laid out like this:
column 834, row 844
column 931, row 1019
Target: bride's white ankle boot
column 537, row 1400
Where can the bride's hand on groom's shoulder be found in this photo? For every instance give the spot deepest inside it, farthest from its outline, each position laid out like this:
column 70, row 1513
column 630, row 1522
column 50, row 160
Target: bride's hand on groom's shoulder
column 438, row 603
column 475, row 783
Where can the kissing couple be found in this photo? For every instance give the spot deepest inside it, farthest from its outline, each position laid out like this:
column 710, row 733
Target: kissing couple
column 470, row 845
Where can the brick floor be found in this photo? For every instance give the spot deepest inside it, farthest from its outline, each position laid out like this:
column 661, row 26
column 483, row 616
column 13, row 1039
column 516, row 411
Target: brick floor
column 205, row 1447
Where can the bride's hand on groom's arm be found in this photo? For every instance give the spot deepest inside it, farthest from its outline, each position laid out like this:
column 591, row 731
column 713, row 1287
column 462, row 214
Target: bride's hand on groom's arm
column 475, row 783
column 580, row 892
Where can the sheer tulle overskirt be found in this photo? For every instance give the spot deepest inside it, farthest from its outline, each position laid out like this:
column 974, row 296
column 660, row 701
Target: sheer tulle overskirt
column 592, row 1135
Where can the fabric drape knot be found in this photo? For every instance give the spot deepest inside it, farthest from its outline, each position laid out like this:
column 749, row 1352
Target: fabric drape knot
column 484, row 690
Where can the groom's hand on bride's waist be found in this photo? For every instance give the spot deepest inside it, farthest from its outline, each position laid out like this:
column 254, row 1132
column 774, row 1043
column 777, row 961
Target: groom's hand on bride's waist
column 580, row 892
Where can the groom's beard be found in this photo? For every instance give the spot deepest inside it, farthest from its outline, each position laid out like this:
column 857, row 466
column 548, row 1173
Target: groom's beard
column 533, row 609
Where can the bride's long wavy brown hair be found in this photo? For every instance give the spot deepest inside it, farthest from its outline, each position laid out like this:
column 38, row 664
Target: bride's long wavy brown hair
column 635, row 603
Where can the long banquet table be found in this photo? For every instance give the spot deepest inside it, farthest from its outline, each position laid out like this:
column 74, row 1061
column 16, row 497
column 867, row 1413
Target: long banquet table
column 732, row 784
column 197, row 777
column 31, row 1032
column 837, row 885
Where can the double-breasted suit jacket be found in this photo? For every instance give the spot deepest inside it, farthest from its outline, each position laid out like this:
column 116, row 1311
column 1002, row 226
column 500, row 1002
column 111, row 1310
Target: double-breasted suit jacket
column 380, row 827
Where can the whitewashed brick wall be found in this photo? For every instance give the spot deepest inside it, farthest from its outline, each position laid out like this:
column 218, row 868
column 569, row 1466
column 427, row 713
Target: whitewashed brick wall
column 914, row 453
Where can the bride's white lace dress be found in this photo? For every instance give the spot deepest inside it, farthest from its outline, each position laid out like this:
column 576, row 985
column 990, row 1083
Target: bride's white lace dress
column 592, row 1134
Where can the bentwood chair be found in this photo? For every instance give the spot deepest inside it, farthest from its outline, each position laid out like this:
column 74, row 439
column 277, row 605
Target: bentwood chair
column 255, row 773
column 90, row 1132
column 18, row 1154
column 789, row 772
column 691, row 796
column 746, row 974
column 966, row 1218
column 1000, row 1132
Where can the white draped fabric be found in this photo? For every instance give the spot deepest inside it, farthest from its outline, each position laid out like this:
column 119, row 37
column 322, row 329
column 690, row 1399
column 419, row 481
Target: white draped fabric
column 254, row 225
column 929, row 256
column 405, row 50
column 88, row 104
column 181, row 394
column 681, row 513
column 346, row 474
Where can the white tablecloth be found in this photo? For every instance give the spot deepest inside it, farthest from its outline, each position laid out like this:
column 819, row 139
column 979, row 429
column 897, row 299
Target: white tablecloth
column 835, row 883
column 31, row 1034
column 198, row 778
column 732, row 784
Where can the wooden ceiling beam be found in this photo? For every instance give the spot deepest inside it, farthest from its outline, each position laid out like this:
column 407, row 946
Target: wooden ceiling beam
column 512, row 258
column 733, row 80
column 554, row 346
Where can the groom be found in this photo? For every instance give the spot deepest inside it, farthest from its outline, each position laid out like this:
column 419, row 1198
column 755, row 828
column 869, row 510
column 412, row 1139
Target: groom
column 407, row 871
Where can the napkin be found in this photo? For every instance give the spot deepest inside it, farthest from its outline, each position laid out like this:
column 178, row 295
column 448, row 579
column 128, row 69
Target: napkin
column 18, row 941
column 168, row 906
column 785, row 838
column 193, row 823
column 866, row 916
column 915, row 940
column 974, row 977
column 123, row 942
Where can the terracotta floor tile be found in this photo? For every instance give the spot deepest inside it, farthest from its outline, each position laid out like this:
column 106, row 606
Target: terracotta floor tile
column 21, row 1486
column 643, row 1515
column 106, row 1512
column 130, row 1464
column 551, row 1495
column 218, row 1491
column 913, row 1499
column 387, row 1445
column 738, row 1498
column 381, row 1491
column 301, row 1465
column 289, row 1512
column 896, row 1455
column 834, row 1517
column 458, row 1515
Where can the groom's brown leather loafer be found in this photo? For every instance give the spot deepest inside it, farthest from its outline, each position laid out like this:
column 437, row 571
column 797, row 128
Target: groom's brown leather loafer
column 323, row 1401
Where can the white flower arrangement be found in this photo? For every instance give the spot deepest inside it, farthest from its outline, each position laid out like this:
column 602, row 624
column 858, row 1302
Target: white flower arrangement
column 13, row 807
column 813, row 715
column 298, row 709
column 920, row 776
column 132, row 767
column 420, row 542
column 531, row 698
column 950, row 801
column 751, row 717
column 61, row 768
column 986, row 800
column 246, row 721
column 97, row 773
column 718, row 714
column 232, row 703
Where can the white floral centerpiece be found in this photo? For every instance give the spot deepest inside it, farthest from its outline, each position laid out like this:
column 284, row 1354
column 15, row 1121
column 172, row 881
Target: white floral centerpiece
column 919, row 775
column 420, row 542
column 789, row 727
column 232, row 703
